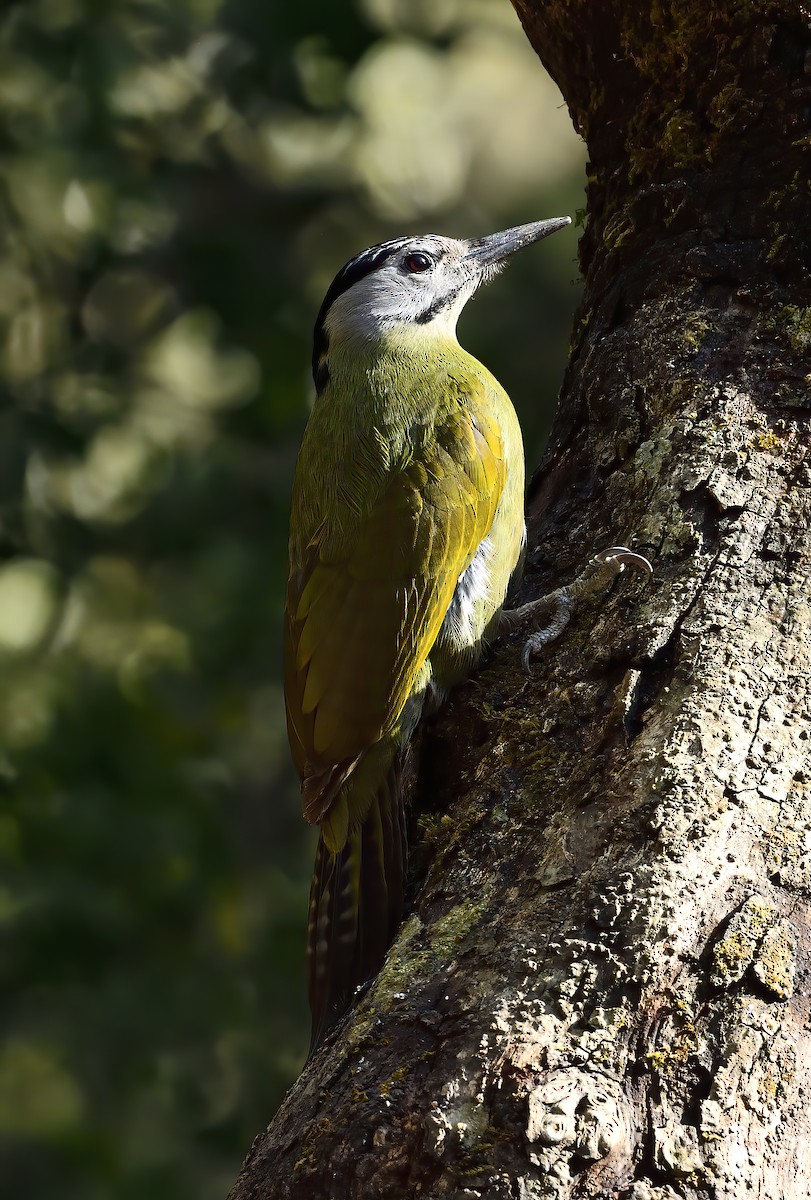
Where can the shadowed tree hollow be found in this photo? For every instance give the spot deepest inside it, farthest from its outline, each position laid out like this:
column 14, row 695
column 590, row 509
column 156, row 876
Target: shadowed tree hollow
column 601, row 987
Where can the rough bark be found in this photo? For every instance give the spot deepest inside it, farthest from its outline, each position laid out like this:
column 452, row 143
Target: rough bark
column 602, row 988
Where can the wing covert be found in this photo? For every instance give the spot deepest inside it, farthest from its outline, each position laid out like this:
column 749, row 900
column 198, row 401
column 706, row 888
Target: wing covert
column 365, row 604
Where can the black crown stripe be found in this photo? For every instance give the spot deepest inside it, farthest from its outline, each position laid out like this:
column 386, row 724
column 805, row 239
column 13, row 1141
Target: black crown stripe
column 350, row 273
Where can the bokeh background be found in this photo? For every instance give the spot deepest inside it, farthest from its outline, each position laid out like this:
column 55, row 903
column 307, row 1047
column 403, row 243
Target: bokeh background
column 179, row 180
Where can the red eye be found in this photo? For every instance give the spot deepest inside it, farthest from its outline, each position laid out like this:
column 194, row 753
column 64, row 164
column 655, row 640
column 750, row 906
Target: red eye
column 417, row 263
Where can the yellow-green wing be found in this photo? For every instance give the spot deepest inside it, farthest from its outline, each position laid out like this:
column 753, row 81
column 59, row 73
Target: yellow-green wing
column 365, row 604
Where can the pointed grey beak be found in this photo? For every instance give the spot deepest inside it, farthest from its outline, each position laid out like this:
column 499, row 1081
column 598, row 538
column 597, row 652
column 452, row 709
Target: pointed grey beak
column 488, row 251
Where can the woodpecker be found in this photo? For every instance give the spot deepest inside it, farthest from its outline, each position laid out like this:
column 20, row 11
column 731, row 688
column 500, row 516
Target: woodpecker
column 407, row 526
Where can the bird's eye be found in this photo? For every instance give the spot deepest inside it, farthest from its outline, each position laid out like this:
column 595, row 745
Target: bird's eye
column 417, row 263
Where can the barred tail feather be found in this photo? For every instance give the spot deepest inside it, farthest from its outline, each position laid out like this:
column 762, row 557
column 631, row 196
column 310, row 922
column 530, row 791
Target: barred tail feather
column 356, row 905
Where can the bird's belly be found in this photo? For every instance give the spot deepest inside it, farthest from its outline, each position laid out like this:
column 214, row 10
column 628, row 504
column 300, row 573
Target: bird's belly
column 470, row 621
column 473, row 604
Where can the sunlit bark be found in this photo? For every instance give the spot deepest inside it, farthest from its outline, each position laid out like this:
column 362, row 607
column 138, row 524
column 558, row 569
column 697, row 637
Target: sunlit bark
column 602, row 988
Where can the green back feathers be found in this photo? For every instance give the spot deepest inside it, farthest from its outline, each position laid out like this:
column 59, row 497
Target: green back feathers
column 396, row 487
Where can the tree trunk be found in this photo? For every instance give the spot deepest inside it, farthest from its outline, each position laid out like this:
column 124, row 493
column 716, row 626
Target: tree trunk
column 602, row 988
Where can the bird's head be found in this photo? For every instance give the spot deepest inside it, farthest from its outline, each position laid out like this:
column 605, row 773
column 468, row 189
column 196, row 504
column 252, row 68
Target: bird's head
column 422, row 282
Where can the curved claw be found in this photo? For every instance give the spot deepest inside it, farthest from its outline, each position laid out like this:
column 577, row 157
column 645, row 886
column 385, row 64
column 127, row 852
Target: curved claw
column 596, row 577
column 626, row 558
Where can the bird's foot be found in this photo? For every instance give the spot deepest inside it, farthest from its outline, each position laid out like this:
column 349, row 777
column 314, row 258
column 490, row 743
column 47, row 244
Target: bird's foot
column 560, row 604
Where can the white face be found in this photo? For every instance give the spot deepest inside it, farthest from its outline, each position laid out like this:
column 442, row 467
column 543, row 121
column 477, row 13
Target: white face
column 423, row 282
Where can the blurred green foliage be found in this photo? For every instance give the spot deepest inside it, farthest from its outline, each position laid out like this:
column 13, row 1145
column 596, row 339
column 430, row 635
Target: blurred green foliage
column 179, row 180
